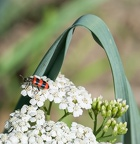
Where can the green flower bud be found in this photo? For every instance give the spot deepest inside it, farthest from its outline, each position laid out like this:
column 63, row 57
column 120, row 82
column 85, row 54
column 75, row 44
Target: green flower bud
column 103, row 107
column 109, row 113
column 108, row 123
column 119, row 100
column 105, row 129
column 113, row 141
column 126, row 107
column 122, row 128
column 112, row 102
column 115, row 130
column 119, row 105
column 109, row 107
column 100, row 98
column 113, row 122
column 94, row 103
column 121, row 112
column 114, row 111
column 124, row 103
column 103, row 113
column 99, row 105
column 106, row 103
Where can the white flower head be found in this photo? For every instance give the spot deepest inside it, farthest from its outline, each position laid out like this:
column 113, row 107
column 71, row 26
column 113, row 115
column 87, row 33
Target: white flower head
column 61, row 91
column 24, row 119
column 84, row 134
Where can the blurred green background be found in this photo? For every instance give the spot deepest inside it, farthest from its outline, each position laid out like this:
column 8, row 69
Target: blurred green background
column 29, row 28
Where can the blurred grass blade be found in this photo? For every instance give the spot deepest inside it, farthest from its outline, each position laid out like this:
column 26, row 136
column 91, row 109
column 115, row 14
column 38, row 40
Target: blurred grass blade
column 12, row 10
column 52, row 62
column 39, row 36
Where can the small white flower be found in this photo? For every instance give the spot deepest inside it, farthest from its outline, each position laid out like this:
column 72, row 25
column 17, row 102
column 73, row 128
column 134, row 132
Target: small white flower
column 76, row 110
column 24, row 92
column 40, row 117
column 3, row 137
column 64, row 103
column 28, row 90
column 85, row 101
column 29, row 110
column 14, row 139
column 38, row 99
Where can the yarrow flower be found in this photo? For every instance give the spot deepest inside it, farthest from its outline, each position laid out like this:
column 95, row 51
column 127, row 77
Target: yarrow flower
column 63, row 92
column 40, row 131
column 23, row 120
column 32, row 125
column 83, row 134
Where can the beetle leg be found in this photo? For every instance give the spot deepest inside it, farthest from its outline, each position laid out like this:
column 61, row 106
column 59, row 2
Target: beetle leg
column 38, row 88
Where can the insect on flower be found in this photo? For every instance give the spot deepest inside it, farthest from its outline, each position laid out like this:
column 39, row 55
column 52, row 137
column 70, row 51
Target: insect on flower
column 36, row 82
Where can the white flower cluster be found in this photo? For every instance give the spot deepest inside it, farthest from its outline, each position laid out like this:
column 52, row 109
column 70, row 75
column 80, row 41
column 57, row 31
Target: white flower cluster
column 28, row 126
column 25, row 119
column 62, row 91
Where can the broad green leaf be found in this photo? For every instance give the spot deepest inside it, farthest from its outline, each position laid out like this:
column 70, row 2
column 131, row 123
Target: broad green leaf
column 53, row 60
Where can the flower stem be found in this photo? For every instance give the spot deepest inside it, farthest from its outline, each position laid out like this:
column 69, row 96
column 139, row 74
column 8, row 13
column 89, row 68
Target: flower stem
column 99, row 129
column 45, row 109
column 49, row 109
column 95, row 123
column 102, row 136
column 66, row 114
column 90, row 114
column 47, row 117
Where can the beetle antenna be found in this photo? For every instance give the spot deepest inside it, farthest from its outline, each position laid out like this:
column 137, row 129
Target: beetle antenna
column 21, row 77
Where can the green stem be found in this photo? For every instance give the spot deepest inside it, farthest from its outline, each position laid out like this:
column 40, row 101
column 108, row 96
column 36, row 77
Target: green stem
column 99, row 129
column 102, row 136
column 45, row 109
column 95, row 123
column 90, row 114
column 66, row 114
column 49, row 109
column 48, row 117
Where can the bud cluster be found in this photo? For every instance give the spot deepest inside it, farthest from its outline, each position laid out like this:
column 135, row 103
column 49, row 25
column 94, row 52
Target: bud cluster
column 113, row 108
column 118, row 128
column 110, row 111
